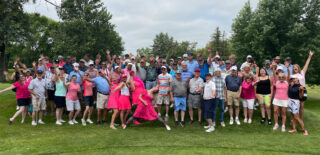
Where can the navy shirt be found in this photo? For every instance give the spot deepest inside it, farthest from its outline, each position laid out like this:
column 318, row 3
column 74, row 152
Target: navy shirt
column 233, row 83
column 203, row 70
column 294, row 91
column 67, row 67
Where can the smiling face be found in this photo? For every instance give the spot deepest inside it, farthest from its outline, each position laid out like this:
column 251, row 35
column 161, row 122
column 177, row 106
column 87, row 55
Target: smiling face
column 296, row 69
column 282, row 77
column 263, row 72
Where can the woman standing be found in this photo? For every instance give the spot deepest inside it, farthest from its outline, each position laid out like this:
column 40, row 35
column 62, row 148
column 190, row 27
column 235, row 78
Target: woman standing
column 145, row 109
column 88, row 98
column 264, row 90
column 22, row 96
column 60, row 96
column 296, row 92
column 248, row 95
column 72, row 100
column 113, row 102
column 139, row 88
column 296, row 71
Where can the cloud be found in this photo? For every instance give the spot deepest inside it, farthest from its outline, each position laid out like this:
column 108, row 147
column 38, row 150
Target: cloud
column 138, row 21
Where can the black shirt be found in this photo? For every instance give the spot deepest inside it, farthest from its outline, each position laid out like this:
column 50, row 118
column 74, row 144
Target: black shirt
column 294, row 91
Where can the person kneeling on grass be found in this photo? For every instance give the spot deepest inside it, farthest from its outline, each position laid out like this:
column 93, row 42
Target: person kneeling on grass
column 178, row 94
column 209, row 102
column 296, row 92
column 145, row 109
column 248, row 96
column 72, row 100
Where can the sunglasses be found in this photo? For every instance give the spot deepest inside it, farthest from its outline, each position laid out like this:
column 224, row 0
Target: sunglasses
column 282, row 77
column 103, row 64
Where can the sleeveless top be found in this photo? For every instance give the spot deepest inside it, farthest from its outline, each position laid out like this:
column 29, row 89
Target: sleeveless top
column 282, row 90
column 263, row 87
column 61, row 90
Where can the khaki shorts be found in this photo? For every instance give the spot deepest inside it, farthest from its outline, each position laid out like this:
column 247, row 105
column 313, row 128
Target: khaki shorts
column 194, row 101
column 231, row 96
column 39, row 104
column 102, row 101
column 163, row 99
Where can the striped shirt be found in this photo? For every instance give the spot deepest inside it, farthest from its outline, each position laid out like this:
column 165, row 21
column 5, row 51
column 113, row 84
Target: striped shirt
column 220, row 84
column 164, row 83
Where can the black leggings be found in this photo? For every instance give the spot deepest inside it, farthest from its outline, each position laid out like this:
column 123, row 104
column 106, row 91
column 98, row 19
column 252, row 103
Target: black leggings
column 132, row 118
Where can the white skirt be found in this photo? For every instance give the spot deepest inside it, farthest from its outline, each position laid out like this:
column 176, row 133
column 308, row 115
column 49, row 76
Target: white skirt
column 280, row 103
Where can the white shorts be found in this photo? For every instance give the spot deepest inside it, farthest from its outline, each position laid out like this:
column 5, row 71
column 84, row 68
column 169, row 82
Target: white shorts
column 39, row 104
column 102, row 101
column 248, row 103
column 72, row 105
column 280, row 103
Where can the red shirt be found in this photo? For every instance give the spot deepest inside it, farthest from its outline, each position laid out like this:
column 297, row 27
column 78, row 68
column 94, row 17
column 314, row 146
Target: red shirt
column 87, row 88
column 22, row 90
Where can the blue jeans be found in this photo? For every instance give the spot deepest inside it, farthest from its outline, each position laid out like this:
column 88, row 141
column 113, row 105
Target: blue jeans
column 150, row 84
column 220, row 104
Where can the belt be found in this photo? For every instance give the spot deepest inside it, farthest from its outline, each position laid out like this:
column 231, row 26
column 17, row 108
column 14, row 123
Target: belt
column 103, row 93
column 233, row 90
column 195, row 93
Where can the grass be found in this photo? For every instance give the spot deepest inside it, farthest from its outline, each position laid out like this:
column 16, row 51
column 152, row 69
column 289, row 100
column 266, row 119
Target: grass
column 152, row 138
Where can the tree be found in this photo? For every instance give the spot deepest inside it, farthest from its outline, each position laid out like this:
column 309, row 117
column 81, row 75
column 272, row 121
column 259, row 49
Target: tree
column 163, row 45
column 219, row 43
column 144, row 51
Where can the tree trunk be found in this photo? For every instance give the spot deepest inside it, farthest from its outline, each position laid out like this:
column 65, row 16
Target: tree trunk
column 2, row 62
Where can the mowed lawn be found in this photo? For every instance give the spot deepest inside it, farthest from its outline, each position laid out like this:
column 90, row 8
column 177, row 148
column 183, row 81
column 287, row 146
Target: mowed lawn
column 152, row 138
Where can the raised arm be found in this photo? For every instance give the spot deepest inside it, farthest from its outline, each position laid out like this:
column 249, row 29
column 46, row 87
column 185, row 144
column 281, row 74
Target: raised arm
column 117, row 88
column 209, row 56
column 9, row 88
column 108, row 56
column 306, row 66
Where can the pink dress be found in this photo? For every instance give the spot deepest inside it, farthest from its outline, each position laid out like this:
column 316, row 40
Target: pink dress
column 247, row 92
column 124, row 100
column 146, row 112
column 139, row 89
column 114, row 98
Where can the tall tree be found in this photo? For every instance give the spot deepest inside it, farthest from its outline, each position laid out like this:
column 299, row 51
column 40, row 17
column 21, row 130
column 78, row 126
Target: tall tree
column 163, row 45
column 219, row 42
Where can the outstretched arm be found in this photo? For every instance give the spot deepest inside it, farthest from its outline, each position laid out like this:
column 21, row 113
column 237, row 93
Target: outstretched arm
column 9, row 88
column 306, row 66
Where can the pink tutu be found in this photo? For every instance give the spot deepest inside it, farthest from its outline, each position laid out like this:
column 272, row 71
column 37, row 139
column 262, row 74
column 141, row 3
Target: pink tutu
column 146, row 112
column 124, row 102
column 113, row 102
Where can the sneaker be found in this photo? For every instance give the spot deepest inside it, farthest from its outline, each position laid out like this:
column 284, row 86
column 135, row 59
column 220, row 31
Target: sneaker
column 245, row 121
column 226, row 109
column 17, row 108
column 136, row 123
column 34, row 123
column 283, row 128
column 199, row 123
column 10, row 122
column 305, row 132
column 269, row 122
column 62, row 121
column 263, row 120
column 231, row 121
column 182, row 124
column 191, row 121
column 113, row 127
column 210, row 129
column 89, row 121
column 168, row 127
column 172, row 105
column 214, row 124
column 176, row 123
column 159, row 114
column 83, row 122
column 124, row 126
column 70, row 122
column 166, row 119
column 104, row 122
column 292, row 131
column 250, row 121
column 75, row 121
column 237, row 121
column 222, row 124
column 98, row 123
column 207, row 127
column 275, row 127
column 58, row 123
column 41, row 122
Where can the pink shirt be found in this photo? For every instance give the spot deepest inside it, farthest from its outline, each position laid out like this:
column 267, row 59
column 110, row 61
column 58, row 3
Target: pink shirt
column 247, row 91
column 73, row 91
column 22, row 90
column 61, row 63
column 49, row 65
column 301, row 78
column 282, row 90
column 87, row 88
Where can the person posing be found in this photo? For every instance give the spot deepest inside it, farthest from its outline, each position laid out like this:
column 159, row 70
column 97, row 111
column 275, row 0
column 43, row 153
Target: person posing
column 264, row 89
column 72, row 100
column 37, row 88
column 178, row 94
column 151, row 75
column 301, row 76
column 185, row 74
column 233, row 84
column 88, row 98
column 60, row 96
column 49, row 79
column 192, row 64
column 204, row 68
column 163, row 85
column 195, row 86
column 296, row 92
column 145, row 109
column 248, row 95
column 113, row 102
column 220, row 99
column 22, row 97
column 209, row 102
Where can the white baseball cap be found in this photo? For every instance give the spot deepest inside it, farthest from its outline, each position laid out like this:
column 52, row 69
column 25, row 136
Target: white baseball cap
column 249, row 56
column 75, row 64
column 91, row 63
column 217, row 56
column 164, row 67
column 293, row 77
column 129, row 63
column 234, row 68
column 280, row 68
column 185, row 55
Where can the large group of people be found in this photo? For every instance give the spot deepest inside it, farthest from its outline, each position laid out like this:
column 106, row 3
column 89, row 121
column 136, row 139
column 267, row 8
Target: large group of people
column 134, row 89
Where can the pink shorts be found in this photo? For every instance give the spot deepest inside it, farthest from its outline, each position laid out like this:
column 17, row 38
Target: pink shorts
column 124, row 102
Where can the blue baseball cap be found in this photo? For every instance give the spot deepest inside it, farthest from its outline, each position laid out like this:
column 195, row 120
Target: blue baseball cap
column 190, row 54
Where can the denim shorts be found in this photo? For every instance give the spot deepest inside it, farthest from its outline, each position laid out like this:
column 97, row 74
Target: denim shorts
column 180, row 103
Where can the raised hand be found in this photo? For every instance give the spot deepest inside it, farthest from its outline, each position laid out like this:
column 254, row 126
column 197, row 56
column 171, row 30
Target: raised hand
column 34, row 64
column 108, row 52
column 98, row 56
column 114, row 56
column 5, row 73
column 311, row 53
column 41, row 56
column 209, row 49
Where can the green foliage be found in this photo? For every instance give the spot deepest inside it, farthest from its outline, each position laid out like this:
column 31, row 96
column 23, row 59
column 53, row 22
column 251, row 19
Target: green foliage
column 220, row 43
column 144, row 51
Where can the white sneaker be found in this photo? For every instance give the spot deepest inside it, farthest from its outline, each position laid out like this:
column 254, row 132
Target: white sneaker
column 17, row 108
column 250, row 121
column 231, row 121
column 283, row 128
column 58, row 123
column 83, row 122
column 168, row 127
column 71, row 122
column 41, row 122
column 89, row 121
column 207, row 127
column 62, row 121
column 245, row 121
column 210, row 129
column 226, row 109
column 275, row 127
column 34, row 123
column 74, row 121
column 237, row 121
column 113, row 127
column 159, row 114
column 222, row 124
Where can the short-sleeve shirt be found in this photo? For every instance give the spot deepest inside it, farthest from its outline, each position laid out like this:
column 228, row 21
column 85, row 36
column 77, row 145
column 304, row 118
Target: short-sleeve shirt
column 79, row 79
column 48, row 79
column 73, row 91
column 92, row 73
column 294, row 91
column 185, row 75
column 204, row 70
column 209, row 87
column 142, row 73
column 192, row 65
column 39, row 87
column 67, row 67
column 194, row 84
column 22, row 90
column 164, row 83
column 247, row 91
column 178, row 88
column 220, row 84
column 151, row 73
column 87, row 88
column 102, row 85
column 233, row 83
column 301, row 78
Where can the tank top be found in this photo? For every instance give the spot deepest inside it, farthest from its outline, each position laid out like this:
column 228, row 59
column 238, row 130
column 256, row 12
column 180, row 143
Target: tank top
column 125, row 91
column 263, row 87
column 61, row 90
column 282, row 90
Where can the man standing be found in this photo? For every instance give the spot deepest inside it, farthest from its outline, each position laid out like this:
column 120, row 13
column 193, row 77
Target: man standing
column 194, row 99
column 49, row 74
column 164, row 80
column 37, row 88
column 221, row 92
column 87, row 60
column 178, row 94
column 249, row 60
column 151, row 76
column 185, row 74
column 142, row 70
column 268, row 67
column 68, row 65
column 192, row 64
column 204, row 68
column 82, row 66
column 233, row 84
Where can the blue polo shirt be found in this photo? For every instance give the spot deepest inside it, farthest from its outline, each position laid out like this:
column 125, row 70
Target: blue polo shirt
column 233, row 83
column 192, row 65
column 203, row 70
column 185, row 75
column 67, row 67
column 102, row 85
column 79, row 79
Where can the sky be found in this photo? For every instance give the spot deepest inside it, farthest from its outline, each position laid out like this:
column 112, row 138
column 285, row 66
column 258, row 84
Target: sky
column 139, row 21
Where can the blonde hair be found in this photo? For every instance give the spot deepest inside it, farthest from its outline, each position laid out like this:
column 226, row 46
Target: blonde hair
column 299, row 69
